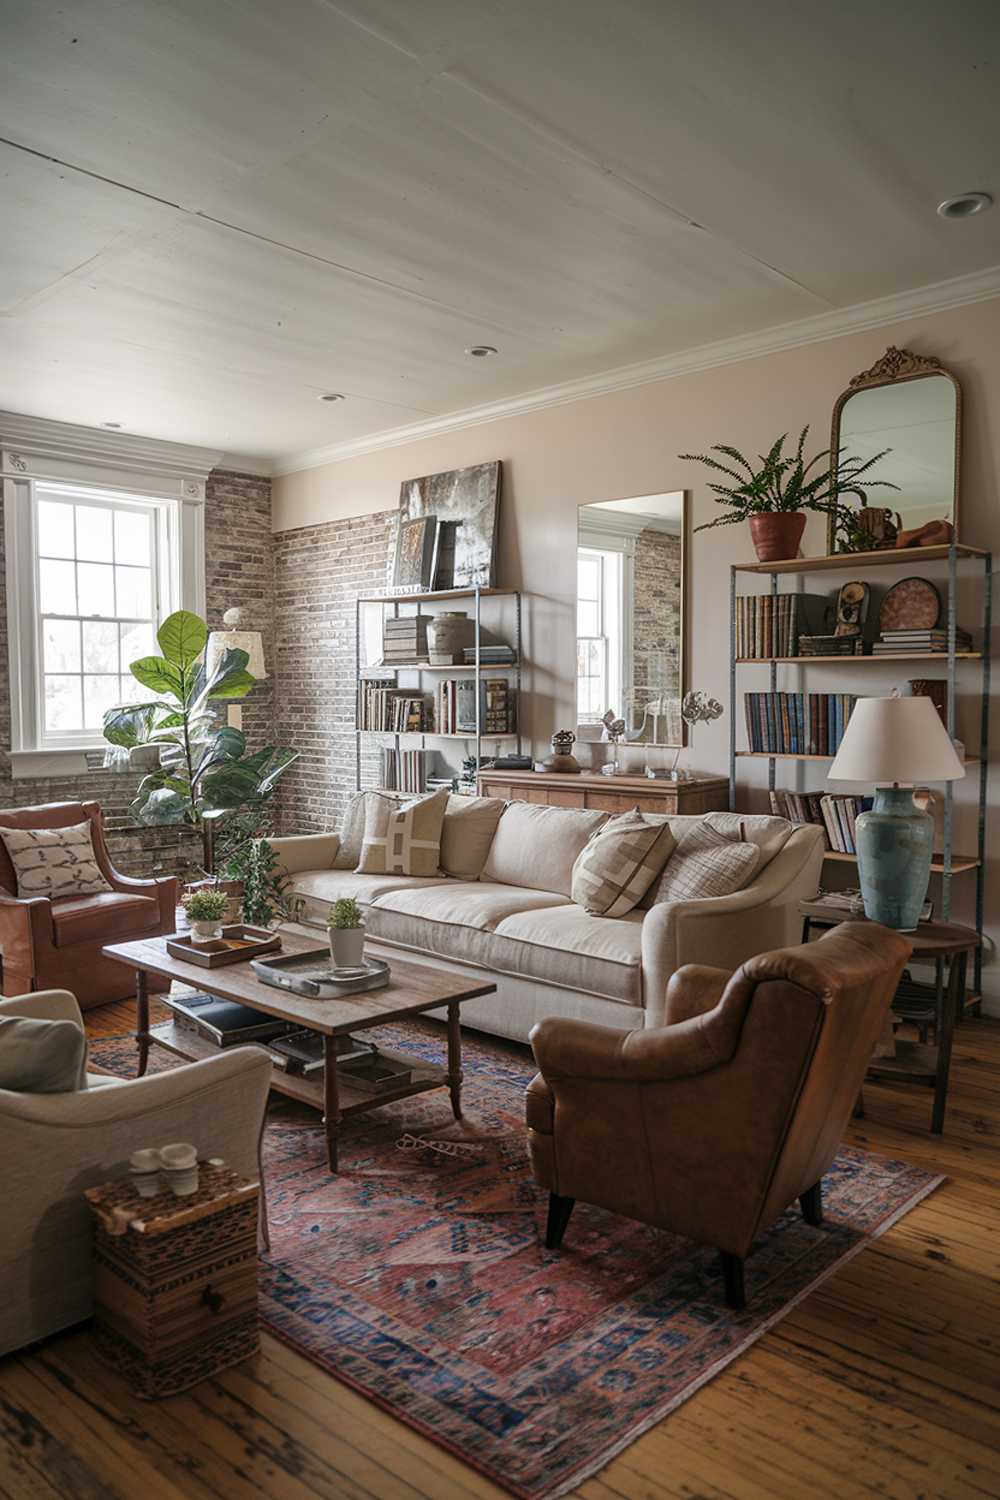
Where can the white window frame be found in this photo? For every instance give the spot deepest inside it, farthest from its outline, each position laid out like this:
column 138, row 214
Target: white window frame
column 162, row 476
column 617, row 638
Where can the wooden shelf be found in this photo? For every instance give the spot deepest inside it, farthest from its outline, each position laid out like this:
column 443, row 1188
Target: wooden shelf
column 429, row 734
column 970, row 760
column 423, row 666
column 959, row 862
column 443, row 594
column 853, row 661
column 881, row 558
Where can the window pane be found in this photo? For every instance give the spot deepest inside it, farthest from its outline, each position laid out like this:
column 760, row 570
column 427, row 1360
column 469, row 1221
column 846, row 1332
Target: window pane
column 55, row 529
column 94, row 526
column 99, row 693
column 130, row 691
column 132, row 539
column 96, row 583
column 63, row 708
column 137, row 641
column 61, row 645
column 57, row 584
column 133, row 593
column 588, row 618
column 100, row 646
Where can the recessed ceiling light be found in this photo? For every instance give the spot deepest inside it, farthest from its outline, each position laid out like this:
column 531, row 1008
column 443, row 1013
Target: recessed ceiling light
column 964, row 205
column 332, row 396
column 111, row 424
column 482, row 351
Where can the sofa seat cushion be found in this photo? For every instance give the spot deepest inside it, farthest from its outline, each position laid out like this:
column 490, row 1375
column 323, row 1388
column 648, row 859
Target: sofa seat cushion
column 322, row 887
column 536, row 846
column 110, row 917
column 506, row 930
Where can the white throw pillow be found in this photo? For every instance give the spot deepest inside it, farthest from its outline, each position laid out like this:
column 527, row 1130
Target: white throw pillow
column 54, row 862
column 403, row 838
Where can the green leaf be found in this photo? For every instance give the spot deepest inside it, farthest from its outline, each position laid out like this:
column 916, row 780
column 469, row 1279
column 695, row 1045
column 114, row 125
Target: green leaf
column 228, row 786
column 161, row 806
column 182, row 638
column 235, row 684
column 157, row 674
column 129, row 725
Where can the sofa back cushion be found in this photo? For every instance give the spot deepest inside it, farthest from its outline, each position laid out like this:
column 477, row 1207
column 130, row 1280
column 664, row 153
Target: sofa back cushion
column 54, row 862
column 470, row 824
column 536, row 846
column 619, row 864
column 402, row 838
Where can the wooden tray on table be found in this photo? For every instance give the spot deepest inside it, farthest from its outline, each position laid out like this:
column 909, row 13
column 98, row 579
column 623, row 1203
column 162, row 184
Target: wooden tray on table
column 238, row 944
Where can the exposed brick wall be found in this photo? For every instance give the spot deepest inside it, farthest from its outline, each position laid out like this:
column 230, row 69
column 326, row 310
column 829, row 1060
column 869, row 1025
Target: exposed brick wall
column 319, row 572
column 239, row 570
column 656, row 628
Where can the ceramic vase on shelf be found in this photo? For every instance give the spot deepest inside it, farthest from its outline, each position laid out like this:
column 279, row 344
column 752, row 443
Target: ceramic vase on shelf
column 448, row 634
column 347, row 947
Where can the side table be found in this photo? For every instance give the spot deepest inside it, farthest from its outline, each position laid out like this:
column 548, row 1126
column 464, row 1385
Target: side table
column 947, row 945
column 175, row 1294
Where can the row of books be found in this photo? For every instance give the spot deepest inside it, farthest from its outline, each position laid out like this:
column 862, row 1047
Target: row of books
column 769, row 624
column 386, row 709
column 900, row 642
column 797, row 723
column 455, row 706
column 834, row 812
column 403, row 770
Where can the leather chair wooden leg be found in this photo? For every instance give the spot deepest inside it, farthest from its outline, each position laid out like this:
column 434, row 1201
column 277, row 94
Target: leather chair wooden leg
column 559, row 1212
column 811, row 1203
column 732, row 1271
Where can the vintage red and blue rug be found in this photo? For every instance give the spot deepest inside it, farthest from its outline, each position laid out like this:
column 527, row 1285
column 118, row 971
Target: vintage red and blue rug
column 419, row 1275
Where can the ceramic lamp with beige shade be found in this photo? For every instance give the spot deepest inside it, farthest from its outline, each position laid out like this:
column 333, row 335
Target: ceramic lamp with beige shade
column 234, row 638
column 897, row 743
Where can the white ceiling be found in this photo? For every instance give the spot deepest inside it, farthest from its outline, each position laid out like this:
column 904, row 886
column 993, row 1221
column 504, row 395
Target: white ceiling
column 253, row 203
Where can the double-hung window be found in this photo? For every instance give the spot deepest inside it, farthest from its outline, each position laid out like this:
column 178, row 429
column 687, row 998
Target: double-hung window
column 598, row 633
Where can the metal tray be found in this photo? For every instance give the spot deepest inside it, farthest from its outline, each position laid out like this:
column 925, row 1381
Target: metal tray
column 237, row 944
column 313, row 974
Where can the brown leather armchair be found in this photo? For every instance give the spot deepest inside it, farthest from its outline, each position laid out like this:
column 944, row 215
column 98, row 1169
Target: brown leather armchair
column 57, row 944
column 711, row 1125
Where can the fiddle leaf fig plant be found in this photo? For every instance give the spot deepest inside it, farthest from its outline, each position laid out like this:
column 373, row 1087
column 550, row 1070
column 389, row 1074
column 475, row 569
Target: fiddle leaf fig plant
column 204, row 769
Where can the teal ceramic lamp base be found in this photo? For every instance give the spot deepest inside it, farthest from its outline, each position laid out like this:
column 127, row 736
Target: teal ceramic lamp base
column 894, row 843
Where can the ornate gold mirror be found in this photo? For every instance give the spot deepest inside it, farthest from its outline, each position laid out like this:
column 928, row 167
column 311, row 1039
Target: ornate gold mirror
column 910, row 404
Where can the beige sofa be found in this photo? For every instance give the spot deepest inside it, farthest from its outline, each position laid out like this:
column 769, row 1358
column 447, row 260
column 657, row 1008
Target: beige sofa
column 518, row 921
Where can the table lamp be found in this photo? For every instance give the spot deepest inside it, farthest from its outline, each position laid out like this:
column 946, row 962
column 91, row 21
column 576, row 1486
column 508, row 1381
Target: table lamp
column 899, row 742
column 235, row 639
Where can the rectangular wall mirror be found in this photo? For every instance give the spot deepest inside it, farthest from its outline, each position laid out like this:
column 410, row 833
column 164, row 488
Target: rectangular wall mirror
column 630, row 610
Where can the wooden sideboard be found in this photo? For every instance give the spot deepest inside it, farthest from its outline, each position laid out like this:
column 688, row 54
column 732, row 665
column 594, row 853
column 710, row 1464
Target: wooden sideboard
column 613, row 794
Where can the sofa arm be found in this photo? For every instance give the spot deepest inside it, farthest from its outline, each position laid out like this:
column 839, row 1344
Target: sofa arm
column 306, row 851
column 724, row 931
column 25, row 929
column 44, row 1005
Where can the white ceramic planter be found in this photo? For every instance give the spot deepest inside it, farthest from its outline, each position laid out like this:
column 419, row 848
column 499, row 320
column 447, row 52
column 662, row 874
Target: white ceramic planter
column 206, row 932
column 347, row 946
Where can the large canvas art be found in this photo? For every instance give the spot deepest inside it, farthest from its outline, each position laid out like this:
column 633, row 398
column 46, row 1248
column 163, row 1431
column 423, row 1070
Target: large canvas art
column 465, row 503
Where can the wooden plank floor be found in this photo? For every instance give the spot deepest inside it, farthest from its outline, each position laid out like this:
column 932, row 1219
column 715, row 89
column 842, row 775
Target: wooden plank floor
column 885, row 1381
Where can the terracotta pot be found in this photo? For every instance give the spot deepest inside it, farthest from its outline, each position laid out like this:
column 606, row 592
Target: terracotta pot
column 776, row 535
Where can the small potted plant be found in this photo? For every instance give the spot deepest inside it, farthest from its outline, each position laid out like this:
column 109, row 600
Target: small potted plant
column 775, row 496
column 206, row 910
column 347, row 933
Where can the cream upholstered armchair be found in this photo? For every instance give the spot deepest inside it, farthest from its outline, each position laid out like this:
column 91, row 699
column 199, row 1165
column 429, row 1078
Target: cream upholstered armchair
column 55, row 1145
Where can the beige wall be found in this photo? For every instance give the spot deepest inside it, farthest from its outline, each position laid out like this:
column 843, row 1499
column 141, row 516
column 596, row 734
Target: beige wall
column 626, row 444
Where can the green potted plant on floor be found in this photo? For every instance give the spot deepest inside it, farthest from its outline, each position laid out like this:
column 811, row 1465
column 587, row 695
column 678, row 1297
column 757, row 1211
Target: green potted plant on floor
column 775, row 496
column 347, row 933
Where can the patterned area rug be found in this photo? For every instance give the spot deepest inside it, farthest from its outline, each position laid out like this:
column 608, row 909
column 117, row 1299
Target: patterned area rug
column 419, row 1274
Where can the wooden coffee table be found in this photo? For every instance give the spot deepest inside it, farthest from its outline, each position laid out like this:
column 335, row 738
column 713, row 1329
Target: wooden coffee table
column 414, row 988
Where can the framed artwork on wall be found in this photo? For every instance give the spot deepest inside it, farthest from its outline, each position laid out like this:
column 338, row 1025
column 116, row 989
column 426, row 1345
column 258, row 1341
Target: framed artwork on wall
column 465, row 505
column 416, row 555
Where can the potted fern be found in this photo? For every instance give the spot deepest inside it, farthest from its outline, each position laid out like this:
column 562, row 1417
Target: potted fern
column 775, row 496
column 347, row 934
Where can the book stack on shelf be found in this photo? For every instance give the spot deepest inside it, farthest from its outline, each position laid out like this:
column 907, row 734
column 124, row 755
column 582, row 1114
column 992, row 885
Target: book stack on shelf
column 385, row 709
column 455, row 706
column 903, row 642
column 797, row 723
column 498, row 655
column 404, row 640
column 834, row 813
column 403, row 770
column 769, row 624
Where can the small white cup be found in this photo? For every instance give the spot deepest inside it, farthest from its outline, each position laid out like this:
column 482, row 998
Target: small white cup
column 146, row 1160
column 180, row 1156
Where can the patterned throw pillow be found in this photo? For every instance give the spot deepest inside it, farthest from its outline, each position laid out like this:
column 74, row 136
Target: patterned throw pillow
column 619, row 864
column 403, row 838
column 54, row 861
column 707, row 867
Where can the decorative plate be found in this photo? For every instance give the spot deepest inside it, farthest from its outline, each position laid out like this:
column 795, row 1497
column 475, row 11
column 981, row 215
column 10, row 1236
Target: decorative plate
column 911, row 604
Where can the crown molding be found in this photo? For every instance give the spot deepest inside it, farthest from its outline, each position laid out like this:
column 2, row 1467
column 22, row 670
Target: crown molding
column 243, row 463
column 978, row 286
column 45, row 439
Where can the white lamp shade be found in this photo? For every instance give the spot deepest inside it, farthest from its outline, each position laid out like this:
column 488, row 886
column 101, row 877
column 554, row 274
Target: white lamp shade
column 249, row 641
column 895, row 739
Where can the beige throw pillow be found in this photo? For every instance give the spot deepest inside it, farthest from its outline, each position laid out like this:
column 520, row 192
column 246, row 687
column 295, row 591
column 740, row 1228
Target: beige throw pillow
column 469, row 826
column 402, row 838
column 708, row 869
column 617, row 867
column 54, row 862
column 352, row 833
column 42, row 1057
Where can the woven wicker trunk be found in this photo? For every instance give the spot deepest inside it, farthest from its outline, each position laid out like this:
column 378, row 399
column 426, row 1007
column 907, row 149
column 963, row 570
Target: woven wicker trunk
column 175, row 1294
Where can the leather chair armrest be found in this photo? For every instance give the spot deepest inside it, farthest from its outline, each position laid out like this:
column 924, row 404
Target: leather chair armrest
column 578, row 1049
column 25, row 927
column 693, row 991
column 539, row 1106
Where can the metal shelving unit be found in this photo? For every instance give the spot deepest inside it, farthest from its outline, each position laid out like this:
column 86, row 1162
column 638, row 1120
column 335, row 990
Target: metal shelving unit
column 947, row 864
column 476, row 670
